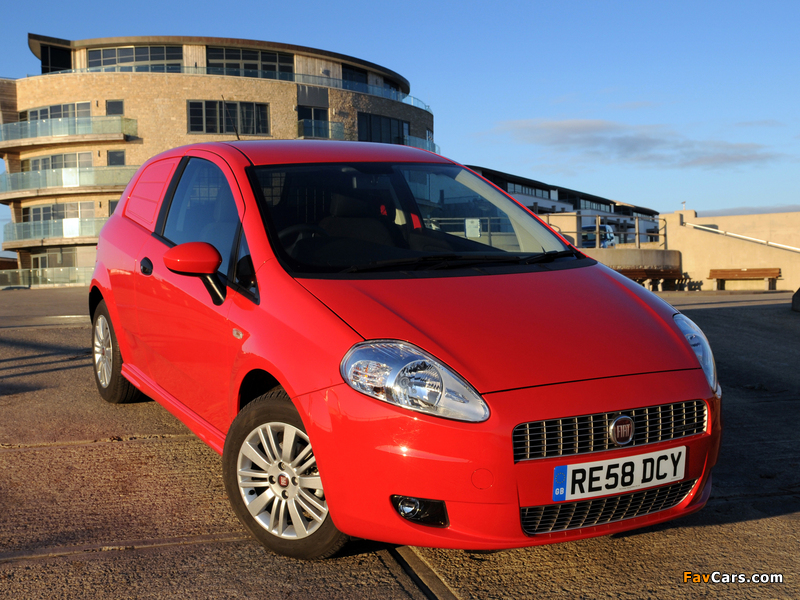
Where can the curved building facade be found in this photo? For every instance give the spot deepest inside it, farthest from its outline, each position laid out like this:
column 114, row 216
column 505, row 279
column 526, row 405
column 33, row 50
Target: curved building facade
column 73, row 136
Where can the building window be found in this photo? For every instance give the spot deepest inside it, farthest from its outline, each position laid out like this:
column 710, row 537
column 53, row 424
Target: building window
column 80, row 160
column 526, row 190
column 57, row 111
column 56, row 212
column 115, row 158
column 115, row 107
column 315, row 121
column 55, row 59
column 354, row 78
column 598, row 206
column 112, row 206
column 54, row 258
column 154, row 59
column 214, row 116
column 377, row 128
column 241, row 62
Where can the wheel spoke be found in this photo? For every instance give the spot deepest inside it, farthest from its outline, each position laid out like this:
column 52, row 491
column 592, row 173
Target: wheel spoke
column 273, row 516
column 254, row 455
column 312, row 482
column 289, row 434
column 312, row 505
column 307, row 465
column 267, row 445
column 258, row 505
column 297, row 520
column 251, row 473
column 301, row 456
column 272, row 443
column 282, row 517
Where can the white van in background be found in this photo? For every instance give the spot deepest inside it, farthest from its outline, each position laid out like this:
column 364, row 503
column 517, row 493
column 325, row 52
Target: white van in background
column 607, row 236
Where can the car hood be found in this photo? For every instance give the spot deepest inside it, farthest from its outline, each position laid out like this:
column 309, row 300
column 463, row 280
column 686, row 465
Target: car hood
column 503, row 332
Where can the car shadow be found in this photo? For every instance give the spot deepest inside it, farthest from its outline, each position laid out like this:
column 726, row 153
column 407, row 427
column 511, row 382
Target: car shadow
column 757, row 475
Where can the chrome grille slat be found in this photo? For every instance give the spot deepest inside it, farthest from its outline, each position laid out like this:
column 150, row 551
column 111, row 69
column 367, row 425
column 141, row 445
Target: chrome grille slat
column 600, row 511
column 586, row 434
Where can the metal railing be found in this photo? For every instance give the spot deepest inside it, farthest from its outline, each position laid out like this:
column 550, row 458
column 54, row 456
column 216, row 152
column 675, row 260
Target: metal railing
column 596, row 236
column 66, row 126
column 422, row 143
column 57, row 228
column 72, row 177
column 492, row 231
column 307, row 128
column 46, row 277
column 302, row 78
column 742, row 237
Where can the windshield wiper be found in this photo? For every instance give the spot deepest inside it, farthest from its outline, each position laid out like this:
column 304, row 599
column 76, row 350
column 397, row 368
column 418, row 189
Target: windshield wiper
column 436, row 261
column 432, row 262
column 548, row 256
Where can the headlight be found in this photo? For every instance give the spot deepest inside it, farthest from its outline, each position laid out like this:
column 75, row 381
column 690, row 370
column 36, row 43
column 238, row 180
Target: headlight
column 402, row 374
column 697, row 340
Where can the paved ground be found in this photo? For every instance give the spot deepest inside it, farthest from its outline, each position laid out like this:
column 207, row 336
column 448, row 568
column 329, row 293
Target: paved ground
column 101, row 501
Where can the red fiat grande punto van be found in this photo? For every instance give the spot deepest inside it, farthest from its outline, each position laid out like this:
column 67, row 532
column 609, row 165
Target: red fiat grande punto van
column 382, row 344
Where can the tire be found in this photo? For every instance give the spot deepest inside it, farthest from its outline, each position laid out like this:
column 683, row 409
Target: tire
column 107, row 361
column 276, row 492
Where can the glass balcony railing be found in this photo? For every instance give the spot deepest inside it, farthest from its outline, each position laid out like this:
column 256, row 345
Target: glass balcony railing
column 57, row 228
column 416, row 142
column 39, row 277
column 67, row 126
column 374, row 90
column 65, row 178
column 306, row 128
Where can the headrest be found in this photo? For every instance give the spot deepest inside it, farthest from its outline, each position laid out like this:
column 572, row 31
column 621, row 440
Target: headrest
column 370, row 206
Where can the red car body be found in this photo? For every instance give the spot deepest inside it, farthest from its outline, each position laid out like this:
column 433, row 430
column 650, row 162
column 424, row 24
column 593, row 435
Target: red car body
column 536, row 346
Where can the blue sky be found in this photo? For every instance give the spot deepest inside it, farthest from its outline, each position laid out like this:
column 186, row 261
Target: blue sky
column 650, row 103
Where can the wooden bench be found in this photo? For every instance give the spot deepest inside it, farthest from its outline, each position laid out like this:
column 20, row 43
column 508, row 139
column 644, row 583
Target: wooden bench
column 769, row 275
column 670, row 279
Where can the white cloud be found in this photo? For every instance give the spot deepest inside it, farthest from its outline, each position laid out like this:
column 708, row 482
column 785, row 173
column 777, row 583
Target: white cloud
column 595, row 140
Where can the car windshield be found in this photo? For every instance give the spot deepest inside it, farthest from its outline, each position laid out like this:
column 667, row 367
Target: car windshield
column 396, row 217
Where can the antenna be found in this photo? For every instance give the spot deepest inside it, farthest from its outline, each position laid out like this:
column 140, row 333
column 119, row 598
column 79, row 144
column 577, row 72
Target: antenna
column 235, row 129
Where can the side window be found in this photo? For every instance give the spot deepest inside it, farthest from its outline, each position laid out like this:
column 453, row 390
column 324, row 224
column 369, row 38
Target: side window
column 203, row 210
column 245, row 275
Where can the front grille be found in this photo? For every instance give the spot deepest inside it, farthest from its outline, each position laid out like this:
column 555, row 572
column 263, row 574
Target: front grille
column 589, row 433
column 599, row 511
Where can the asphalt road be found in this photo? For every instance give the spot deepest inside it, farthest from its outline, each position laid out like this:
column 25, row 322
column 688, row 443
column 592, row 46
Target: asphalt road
column 100, row 501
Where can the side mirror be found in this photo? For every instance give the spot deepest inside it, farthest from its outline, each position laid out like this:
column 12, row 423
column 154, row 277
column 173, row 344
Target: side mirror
column 193, row 258
column 201, row 260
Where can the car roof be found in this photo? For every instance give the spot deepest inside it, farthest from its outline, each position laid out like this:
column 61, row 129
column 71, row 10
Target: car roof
column 267, row 152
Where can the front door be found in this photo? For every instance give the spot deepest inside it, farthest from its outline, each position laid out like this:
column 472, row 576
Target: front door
column 38, row 263
column 186, row 338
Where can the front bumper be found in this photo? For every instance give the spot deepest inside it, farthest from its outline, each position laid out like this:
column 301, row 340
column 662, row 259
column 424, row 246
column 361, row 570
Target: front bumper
column 368, row 450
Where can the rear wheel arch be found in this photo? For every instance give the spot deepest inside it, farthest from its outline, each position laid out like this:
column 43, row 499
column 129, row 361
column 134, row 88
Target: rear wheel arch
column 95, row 298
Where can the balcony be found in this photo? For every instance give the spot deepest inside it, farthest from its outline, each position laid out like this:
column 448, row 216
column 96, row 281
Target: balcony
column 422, row 143
column 301, row 78
column 65, row 130
column 306, row 128
column 14, row 233
column 73, row 180
column 59, row 276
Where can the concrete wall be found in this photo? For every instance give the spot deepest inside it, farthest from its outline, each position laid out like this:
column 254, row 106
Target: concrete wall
column 635, row 258
column 702, row 251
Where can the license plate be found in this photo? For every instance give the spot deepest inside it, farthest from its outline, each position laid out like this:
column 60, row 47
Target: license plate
column 618, row 475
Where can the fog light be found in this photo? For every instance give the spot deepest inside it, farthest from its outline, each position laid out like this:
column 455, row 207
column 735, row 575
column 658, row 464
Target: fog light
column 421, row 510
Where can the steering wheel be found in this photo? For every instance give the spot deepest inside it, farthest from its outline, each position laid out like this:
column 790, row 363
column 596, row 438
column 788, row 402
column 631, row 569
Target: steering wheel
column 294, row 233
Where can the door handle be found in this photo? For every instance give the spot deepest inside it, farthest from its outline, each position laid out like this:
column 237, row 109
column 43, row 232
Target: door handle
column 146, row 266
